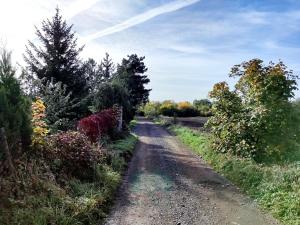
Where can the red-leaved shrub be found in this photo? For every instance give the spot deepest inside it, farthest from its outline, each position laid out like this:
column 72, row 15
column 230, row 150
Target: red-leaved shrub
column 99, row 124
column 74, row 153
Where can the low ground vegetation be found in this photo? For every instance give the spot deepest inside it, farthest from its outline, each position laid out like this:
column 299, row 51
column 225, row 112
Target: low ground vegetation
column 65, row 186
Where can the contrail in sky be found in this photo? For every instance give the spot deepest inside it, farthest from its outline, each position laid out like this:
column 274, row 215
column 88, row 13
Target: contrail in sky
column 79, row 6
column 141, row 18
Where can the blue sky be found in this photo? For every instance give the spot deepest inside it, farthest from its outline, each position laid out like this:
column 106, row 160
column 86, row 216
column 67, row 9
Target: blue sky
column 189, row 44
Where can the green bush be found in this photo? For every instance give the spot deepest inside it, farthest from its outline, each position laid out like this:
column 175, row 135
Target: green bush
column 151, row 109
column 295, row 120
column 75, row 202
column 254, row 120
column 14, row 106
column 203, row 106
column 168, row 108
column 110, row 94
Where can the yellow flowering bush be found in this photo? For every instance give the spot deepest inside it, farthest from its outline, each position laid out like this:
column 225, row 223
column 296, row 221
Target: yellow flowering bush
column 40, row 128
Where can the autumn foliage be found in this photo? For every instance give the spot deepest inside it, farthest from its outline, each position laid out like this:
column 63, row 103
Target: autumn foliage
column 99, row 124
column 73, row 153
column 40, row 128
column 255, row 119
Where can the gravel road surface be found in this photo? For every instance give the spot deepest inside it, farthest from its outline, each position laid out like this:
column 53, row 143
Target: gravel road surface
column 167, row 184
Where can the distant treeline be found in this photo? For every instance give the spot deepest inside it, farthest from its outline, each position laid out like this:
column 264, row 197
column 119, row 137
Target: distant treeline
column 182, row 109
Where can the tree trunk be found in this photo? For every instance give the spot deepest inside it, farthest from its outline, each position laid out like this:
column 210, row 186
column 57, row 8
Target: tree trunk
column 4, row 145
column 120, row 124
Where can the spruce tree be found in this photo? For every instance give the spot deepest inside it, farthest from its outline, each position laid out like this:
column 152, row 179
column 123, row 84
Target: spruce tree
column 57, row 55
column 14, row 106
column 107, row 67
column 59, row 106
column 93, row 75
column 97, row 74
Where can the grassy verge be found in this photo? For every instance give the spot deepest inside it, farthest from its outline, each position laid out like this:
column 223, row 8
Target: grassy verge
column 132, row 124
column 275, row 187
column 42, row 200
column 121, row 153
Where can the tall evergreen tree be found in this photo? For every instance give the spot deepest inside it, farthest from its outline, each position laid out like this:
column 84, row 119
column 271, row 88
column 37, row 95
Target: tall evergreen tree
column 93, row 75
column 57, row 56
column 107, row 67
column 131, row 73
column 97, row 74
column 14, row 106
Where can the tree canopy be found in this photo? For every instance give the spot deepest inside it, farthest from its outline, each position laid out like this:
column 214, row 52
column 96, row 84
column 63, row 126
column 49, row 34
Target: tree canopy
column 254, row 120
column 57, row 55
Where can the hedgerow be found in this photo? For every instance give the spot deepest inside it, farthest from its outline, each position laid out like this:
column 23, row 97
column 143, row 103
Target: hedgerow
column 173, row 109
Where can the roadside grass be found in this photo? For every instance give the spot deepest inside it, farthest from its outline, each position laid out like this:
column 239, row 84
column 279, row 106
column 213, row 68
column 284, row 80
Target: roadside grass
column 122, row 151
column 276, row 187
column 132, row 124
column 76, row 202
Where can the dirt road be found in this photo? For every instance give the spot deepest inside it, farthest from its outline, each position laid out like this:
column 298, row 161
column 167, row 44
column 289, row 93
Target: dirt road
column 167, row 184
